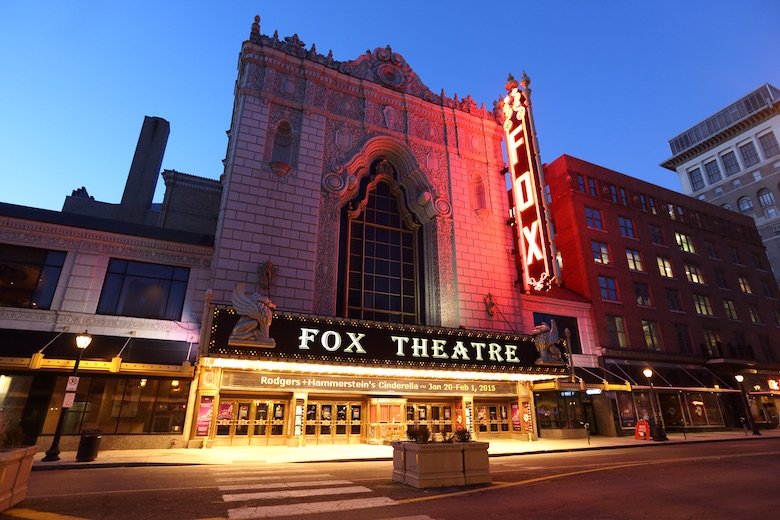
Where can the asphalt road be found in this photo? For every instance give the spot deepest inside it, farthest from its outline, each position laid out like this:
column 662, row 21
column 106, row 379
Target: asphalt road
column 722, row 480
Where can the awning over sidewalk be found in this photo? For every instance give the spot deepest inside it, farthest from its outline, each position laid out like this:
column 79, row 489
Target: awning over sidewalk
column 666, row 376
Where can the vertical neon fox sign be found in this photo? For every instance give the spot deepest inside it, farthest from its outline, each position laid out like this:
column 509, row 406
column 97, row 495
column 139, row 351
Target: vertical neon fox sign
column 531, row 217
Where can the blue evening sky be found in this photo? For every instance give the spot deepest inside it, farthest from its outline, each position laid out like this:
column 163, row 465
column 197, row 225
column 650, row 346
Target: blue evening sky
column 612, row 81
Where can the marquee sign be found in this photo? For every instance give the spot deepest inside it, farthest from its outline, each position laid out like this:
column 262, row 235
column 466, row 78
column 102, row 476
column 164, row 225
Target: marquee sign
column 315, row 338
column 531, row 225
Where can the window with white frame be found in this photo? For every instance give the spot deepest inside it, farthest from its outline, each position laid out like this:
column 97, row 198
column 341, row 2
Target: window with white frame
column 696, row 178
column 745, row 205
column 730, row 163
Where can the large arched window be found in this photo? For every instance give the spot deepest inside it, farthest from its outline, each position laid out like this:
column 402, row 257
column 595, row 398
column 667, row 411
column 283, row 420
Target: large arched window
column 381, row 275
column 281, row 155
column 766, row 198
column 745, row 205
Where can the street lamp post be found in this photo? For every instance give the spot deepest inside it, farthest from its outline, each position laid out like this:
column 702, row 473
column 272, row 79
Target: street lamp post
column 748, row 416
column 53, row 453
column 658, row 430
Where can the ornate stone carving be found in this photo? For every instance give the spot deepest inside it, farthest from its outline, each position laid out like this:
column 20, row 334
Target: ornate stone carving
column 545, row 338
column 256, row 313
column 345, row 105
column 389, row 69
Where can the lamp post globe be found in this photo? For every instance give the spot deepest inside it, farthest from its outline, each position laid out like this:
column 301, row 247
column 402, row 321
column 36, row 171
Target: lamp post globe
column 53, row 453
column 657, row 430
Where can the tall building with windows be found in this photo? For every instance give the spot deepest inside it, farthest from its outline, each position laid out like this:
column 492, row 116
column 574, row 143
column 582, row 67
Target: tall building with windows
column 676, row 284
column 732, row 160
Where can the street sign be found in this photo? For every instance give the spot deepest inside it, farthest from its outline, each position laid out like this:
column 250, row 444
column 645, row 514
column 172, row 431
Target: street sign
column 72, row 384
column 70, row 397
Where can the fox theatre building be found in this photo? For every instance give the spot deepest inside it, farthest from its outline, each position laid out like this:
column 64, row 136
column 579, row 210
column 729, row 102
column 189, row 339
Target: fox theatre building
column 321, row 380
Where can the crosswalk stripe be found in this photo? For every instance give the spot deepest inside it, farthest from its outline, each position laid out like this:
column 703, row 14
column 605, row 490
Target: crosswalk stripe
column 226, row 480
column 259, row 470
column 295, row 493
column 283, row 485
column 246, row 513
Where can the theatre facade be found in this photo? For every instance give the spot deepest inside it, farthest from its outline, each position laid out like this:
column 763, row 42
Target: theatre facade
column 365, row 277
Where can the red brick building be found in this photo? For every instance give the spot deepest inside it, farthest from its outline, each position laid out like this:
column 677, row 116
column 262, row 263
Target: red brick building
column 675, row 283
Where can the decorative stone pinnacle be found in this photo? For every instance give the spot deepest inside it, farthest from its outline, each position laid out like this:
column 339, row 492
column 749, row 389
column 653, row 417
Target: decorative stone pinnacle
column 525, row 80
column 511, row 83
column 256, row 25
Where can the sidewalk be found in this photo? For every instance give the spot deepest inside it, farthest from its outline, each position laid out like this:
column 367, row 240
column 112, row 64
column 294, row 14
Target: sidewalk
column 358, row 452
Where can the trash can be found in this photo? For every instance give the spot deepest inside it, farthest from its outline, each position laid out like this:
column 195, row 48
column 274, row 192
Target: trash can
column 89, row 445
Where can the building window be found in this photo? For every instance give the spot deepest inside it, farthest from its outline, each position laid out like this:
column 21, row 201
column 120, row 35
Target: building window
column 735, row 255
column 683, row 338
column 711, row 249
column 756, row 175
column 29, row 276
column 712, row 343
column 581, row 184
column 642, row 292
column 702, row 305
column 694, row 274
column 726, row 205
column 720, row 279
column 766, row 348
column 745, row 205
column 656, row 234
column 730, row 163
column 744, row 285
column 749, row 154
column 593, row 218
column 766, row 198
column 626, row 227
column 634, row 259
column 643, row 202
column 713, row 172
column 613, row 193
column 731, row 311
column 143, row 290
column 653, row 209
column 600, row 252
column 608, row 288
column 685, row 242
column 736, row 183
column 767, row 286
column 592, row 187
column 769, row 144
column 673, row 299
column 652, row 337
column 381, row 268
column 719, row 192
column 617, row 332
column 480, row 193
column 756, row 261
column 623, row 197
column 282, row 151
column 697, row 181
column 665, row 267
column 755, row 317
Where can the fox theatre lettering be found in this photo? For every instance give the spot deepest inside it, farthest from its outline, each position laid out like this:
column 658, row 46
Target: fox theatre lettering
column 532, row 234
column 307, row 338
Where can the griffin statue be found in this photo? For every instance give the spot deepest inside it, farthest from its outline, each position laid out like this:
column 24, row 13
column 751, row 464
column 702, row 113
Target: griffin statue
column 255, row 313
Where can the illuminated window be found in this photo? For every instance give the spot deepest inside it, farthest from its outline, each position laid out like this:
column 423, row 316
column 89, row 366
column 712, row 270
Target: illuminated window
column 626, row 227
column 684, row 338
column 755, row 317
column 616, row 331
column 749, row 154
column 29, row 276
column 744, row 285
column 684, row 242
column 730, row 163
column 697, row 181
column 600, row 252
column 665, row 267
column 608, row 288
column 143, row 290
column 593, row 218
column 673, row 299
column 694, row 274
column 769, row 145
column 712, row 343
column 652, row 337
column 713, row 172
column 656, row 234
column 634, row 259
column 702, row 305
column 731, row 311
column 380, row 279
column 642, row 292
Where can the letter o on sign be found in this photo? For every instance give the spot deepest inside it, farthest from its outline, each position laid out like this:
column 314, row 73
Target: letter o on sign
column 331, row 341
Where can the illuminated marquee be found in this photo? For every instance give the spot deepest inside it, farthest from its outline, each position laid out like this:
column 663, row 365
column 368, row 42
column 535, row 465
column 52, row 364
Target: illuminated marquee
column 529, row 215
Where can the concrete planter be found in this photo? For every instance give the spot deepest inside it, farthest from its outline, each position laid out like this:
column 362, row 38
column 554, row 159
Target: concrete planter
column 424, row 465
column 15, row 466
